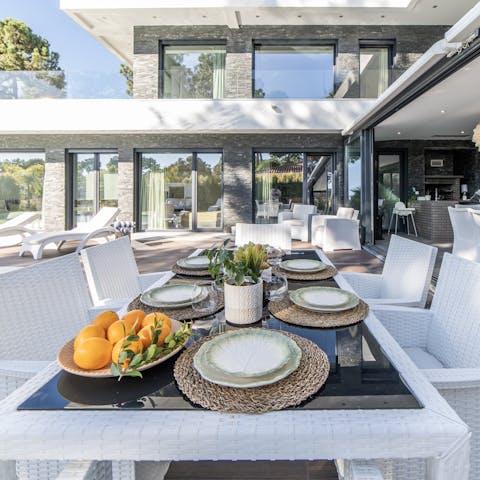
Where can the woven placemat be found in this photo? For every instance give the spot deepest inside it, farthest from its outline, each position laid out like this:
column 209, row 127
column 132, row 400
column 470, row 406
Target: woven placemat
column 309, row 377
column 180, row 314
column 328, row 272
column 189, row 272
column 287, row 311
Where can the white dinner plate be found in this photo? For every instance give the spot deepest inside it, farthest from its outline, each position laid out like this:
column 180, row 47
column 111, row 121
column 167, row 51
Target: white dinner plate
column 194, row 263
column 173, row 296
column 324, row 299
column 302, row 265
column 219, row 372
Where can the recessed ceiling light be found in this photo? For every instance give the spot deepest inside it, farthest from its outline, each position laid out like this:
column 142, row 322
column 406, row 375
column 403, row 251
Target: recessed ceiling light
column 299, row 16
column 443, row 112
column 399, row 133
column 154, row 16
column 462, row 131
column 434, row 6
column 340, row 16
column 382, row 16
column 258, row 16
column 204, row 16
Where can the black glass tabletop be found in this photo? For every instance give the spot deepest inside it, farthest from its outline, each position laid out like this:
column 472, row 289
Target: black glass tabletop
column 361, row 376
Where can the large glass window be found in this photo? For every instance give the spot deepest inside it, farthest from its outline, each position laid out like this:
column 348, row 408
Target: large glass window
column 173, row 183
column 374, row 70
column 95, row 179
column 353, row 174
column 21, row 183
column 320, row 177
column 196, row 71
column 288, row 71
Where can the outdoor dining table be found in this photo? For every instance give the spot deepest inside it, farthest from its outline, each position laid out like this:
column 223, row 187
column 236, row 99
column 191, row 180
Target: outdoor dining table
column 389, row 411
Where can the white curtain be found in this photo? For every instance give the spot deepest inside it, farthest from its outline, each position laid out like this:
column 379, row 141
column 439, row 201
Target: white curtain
column 153, row 200
column 218, row 75
column 382, row 70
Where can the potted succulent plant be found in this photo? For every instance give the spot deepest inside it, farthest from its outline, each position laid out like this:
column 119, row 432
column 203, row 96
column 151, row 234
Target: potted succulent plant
column 240, row 271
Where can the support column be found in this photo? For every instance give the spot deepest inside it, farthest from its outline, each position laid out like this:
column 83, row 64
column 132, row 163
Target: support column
column 126, row 183
column 54, row 190
column 146, row 75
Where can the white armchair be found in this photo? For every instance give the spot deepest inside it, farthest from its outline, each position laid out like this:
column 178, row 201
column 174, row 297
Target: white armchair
column 335, row 232
column 298, row 220
column 444, row 341
column 406, row 275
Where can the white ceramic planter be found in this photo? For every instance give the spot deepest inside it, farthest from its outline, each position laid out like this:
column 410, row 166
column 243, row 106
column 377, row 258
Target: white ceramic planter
column 243, row 305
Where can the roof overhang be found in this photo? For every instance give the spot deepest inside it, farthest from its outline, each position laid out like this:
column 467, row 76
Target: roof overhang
column 256, row 116
column 112, row 21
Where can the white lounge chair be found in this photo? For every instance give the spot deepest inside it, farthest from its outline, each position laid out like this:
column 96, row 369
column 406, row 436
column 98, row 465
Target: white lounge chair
column 444, row 341
column 406, row 275
column 298, row 220
column 278, row 236
column 98, row 226
column 13, row 231
column 112, row 272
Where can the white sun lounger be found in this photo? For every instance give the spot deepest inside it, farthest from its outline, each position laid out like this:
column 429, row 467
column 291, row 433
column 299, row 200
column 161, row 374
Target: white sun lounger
column 98, row 226
column 13, row 231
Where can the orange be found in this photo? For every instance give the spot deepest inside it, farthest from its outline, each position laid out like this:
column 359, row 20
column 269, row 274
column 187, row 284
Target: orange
column 88, row 332
column 161, row 317
column 136, row 346
column 118, row 330
column 146, row 335
column 93, row 353
column 134, row 317
column 105, row 319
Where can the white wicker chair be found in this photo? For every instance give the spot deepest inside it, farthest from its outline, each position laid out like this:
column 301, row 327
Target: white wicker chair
column 112, row 272
column 50, row 303
column 276, row 235
column 444, row 341
column 406, row 275
column 466, row 233
column 298, row 220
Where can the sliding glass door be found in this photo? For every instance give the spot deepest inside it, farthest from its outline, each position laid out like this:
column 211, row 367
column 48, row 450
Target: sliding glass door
column 283, row 178
column 94, row 178
column 179, row 190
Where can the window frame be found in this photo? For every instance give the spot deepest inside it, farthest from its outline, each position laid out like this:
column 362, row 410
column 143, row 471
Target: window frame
column 292, row 43
column 178, row 43
column 389, row 44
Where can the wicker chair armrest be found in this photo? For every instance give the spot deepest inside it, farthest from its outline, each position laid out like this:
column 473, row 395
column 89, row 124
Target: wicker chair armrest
column 148, row 279
column 318, row 220
column 366, row 285
column 282, row 216
column 409, row 326
column 453, row 378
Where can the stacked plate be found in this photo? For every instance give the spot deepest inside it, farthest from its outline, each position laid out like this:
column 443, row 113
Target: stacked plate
column 324, row 299
column 173, row 296
column 194, row 263
column 302, row 265
column 247, row 358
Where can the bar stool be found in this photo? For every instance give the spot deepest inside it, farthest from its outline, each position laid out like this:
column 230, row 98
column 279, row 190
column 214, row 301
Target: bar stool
column 400, row 210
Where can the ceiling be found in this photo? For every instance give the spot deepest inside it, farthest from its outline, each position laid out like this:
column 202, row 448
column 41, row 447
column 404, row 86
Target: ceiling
column 445, row 111
column 112, row 22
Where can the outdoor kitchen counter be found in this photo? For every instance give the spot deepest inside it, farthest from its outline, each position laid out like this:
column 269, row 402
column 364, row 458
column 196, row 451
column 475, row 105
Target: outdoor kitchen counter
column 433, row 222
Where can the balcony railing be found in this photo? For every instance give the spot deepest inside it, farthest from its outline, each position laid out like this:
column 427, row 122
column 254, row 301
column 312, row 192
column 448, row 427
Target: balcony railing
column 60, row 84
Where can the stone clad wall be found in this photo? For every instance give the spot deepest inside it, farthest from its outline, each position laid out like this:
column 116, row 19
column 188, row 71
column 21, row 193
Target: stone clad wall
column 237, row 157
column 411, row 43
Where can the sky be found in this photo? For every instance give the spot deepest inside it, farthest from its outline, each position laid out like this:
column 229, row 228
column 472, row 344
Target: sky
column 92, row 71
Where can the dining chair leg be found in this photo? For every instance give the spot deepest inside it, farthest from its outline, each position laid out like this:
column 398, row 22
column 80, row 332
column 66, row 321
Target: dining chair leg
column 390, row 223
column 408, row 224
column 396, row 223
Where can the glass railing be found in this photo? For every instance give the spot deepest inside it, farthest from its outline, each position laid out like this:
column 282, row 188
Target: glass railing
column 60, row 84
column 183, row 84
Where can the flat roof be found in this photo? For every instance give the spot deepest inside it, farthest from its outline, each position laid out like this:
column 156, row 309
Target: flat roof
column 112, row 21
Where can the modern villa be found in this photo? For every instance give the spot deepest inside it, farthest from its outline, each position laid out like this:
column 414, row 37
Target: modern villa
column 240, row 109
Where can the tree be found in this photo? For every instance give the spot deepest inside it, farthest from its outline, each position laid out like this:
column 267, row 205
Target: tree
column 22, row 50
column 127, row 72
